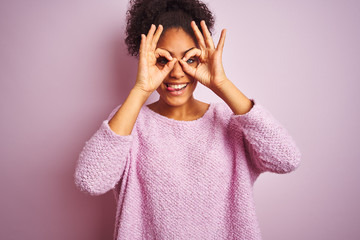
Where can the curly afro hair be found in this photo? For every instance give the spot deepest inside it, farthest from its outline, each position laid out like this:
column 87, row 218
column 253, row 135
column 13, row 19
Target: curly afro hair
column 169, row 13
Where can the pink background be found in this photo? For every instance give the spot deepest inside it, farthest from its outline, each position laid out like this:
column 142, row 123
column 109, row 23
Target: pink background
column 63, row 68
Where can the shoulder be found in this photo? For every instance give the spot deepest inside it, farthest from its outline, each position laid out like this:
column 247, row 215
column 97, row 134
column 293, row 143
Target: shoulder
column 221, row 110
column 219, row 113
column 143, row 111
column 113, row 112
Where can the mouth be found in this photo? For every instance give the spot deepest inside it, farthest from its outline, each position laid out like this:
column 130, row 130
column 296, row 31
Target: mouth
column 176, row 88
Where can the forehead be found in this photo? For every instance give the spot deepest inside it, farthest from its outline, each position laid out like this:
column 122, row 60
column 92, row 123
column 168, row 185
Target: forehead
column 176, row 41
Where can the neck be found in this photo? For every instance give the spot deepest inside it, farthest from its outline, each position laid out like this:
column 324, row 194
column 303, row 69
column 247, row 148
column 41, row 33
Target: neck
column 191, row 110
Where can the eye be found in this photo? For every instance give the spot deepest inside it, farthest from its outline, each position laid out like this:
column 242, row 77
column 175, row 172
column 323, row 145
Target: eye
column 162, row 61
column 191, row 60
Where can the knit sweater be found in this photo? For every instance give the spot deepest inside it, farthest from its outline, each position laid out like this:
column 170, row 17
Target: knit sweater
column 186, row 179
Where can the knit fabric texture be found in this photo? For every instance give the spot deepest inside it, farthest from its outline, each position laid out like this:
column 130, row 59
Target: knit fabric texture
column 186, row 179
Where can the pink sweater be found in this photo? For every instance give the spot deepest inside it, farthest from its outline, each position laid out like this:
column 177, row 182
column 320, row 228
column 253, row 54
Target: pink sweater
column 186, row 179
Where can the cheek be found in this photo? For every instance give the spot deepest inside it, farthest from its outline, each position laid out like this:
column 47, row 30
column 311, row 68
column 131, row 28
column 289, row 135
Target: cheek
column 193, row 85
column 193, row 81
column 161, row 89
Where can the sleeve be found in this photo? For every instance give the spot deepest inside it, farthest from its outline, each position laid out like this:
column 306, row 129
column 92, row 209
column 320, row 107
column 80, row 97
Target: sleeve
column 266, row 141
column 103, row 159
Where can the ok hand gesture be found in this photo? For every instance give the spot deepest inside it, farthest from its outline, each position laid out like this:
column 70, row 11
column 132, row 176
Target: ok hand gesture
column 149, row 76
column 210, row 71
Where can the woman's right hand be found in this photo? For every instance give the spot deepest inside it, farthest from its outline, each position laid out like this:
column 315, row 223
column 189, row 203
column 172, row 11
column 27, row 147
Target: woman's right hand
column 150, row 76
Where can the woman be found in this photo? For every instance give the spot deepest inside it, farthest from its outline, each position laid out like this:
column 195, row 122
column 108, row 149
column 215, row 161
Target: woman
column 181, row 168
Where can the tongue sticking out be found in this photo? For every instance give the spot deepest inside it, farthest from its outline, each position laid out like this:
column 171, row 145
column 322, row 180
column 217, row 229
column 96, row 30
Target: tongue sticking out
column 174, row 89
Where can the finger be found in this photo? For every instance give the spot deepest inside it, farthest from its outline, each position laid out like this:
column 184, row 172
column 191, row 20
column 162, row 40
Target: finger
column 195, row 52
column 169, row 66
column 142, row 51
column 198, row 35
column 156, row 37
column 187, row 68
column 163, row 53
column 150, row 35
column 221, row 42
column 208, row 39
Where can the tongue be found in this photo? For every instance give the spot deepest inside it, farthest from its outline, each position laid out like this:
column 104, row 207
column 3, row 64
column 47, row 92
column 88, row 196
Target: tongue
column 173, row 89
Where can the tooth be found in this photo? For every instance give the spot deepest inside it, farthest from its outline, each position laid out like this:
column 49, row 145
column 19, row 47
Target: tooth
column 177, row 86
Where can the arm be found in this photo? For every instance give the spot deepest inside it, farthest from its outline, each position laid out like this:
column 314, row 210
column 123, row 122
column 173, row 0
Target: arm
column 210, row 71
column 103, row 159
column 124, row 119
column 234, row 98
column 269, row 145
column 149, row 78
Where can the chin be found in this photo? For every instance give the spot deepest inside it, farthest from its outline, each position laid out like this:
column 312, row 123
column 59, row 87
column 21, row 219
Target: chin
column 175, row 101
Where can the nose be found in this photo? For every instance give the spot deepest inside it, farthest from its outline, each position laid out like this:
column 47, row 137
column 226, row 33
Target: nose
column 177, row 72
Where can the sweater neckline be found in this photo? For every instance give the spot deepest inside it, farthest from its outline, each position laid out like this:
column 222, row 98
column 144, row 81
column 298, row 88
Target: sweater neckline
column 165, row 119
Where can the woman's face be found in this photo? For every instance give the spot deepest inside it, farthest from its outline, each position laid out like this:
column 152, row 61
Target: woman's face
column 177, row 87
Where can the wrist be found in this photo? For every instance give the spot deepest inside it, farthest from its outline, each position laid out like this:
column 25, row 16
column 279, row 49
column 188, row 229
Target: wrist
column 139, row 92
column 222, row 86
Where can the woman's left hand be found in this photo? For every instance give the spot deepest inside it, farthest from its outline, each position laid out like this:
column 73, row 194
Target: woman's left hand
column 209, row 71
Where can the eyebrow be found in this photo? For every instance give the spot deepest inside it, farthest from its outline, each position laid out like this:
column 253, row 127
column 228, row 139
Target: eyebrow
column 171, row 53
